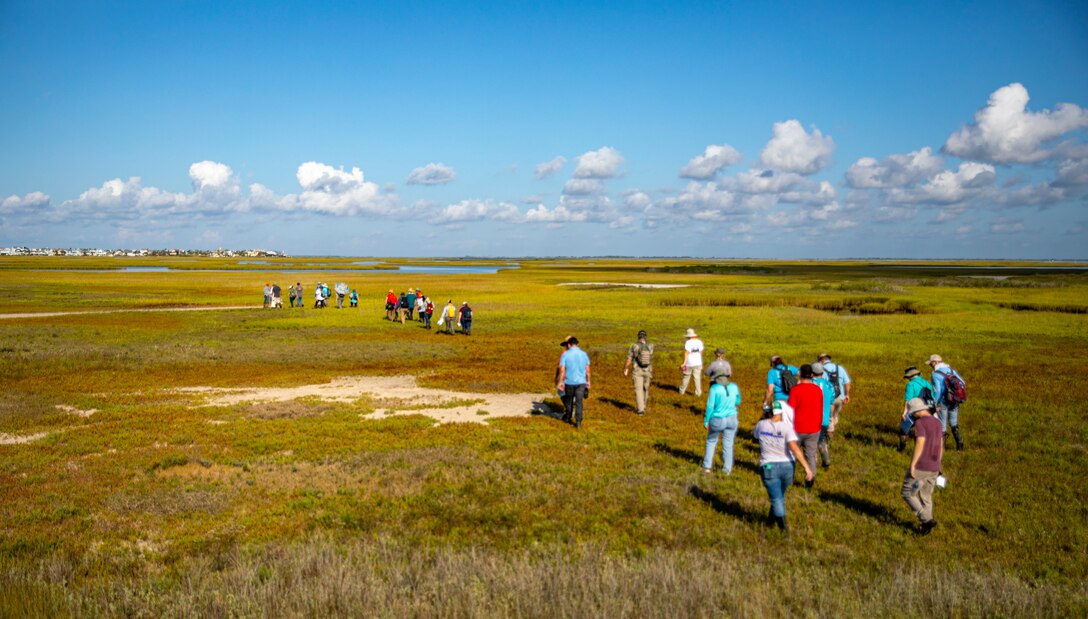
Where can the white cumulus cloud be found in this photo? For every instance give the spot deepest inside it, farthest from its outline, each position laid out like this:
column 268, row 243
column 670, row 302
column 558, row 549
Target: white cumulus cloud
column 713, row 159
column 792, row 149
column 583, row 186
column 894, row 171
column 432, row 174
column 210, row 174
column 1005, row 132
column 475, row 210
column 27, row 204
column 604, row 162
column 546, row 169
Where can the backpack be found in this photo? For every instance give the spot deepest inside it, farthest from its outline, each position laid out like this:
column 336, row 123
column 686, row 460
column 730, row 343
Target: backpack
column 926, row 394
column 644, row 355
column 788, row 380
column 955, row 390
column 833, row 377
column 466, row 314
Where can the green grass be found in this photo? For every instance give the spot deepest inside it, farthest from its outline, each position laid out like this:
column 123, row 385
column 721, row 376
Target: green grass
column 152, row 506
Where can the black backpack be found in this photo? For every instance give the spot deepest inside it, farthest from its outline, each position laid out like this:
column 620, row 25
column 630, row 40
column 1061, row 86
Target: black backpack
column 789, row 381
column 834, row 378
column 466, row 314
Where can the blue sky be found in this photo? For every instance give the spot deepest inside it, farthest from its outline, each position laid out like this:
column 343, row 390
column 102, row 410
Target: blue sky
column 726, row 129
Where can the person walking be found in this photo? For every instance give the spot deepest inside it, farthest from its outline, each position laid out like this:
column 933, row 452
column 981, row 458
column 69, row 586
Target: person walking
column 391, row 305
column 299, row 294
column 319, row 296
column 807, row 402
column 840, row 382
column 719, row 364
column 693, row 362
column 449, row 314
column 421, row 305
column 780, row 380
column 277, row 296
column 402, row 307
column 464, row 316
column 428, row 310
column 354, row 298
column 573, row 381
column 292, row 295
column 640, row 364
column 267, row 294
column 828, row 391
column 720, row 420
column 945, row 382
column 411, row 296
column 925, row 463
column 917, row 387
column 778, row 453
column 339, row 300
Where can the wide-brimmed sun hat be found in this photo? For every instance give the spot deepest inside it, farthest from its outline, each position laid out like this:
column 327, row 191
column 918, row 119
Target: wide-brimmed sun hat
column 916, row 405
column 934, row 359
column 690, row 333
column 911, row 372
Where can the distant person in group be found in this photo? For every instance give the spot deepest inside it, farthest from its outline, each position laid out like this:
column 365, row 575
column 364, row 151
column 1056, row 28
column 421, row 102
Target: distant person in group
column 292, row 295
column 299, row 296
column 828, row 391
column 410, row 310
column 640, row 364
column 428, row 310
column 319, row 296
column 720, row 420
column 402, row 307
column 778, row 451
column 267, row 294
column 573, row 381
column 807, row 401
column 917, row 387
column 339, row 300
column 421, row 305
column 565, row 345
column 390, row 305
column 693, row 362
column 840, row 383
column 780, row 380
column 719, row 364
column 449, row 316
column 464, row 316
column 354, row 298
column 949, row 391
column 325, row 291
column 925, row 463
column 277, row 296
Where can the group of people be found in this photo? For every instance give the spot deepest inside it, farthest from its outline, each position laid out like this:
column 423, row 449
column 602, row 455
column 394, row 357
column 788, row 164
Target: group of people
column 412, row 305
column 273, row 295
column 801, row 408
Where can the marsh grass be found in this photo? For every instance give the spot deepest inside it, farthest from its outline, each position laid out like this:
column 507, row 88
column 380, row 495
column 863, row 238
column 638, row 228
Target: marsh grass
column 157, row 506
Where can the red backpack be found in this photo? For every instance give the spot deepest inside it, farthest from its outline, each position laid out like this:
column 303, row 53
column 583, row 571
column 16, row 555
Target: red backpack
column 955, row 390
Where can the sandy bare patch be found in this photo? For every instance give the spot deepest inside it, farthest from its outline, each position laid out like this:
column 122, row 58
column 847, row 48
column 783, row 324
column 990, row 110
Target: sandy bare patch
column 71, row 410
column 20, row 439
column 395, row 395
column 624, row 284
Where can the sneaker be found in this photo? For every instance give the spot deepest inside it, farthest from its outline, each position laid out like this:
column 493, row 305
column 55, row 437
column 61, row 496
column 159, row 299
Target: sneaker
column 641, row 413
column 706, row 470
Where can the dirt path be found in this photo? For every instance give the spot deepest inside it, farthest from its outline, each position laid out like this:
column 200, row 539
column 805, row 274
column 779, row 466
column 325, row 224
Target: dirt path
column 120, row 311
column 393, row 395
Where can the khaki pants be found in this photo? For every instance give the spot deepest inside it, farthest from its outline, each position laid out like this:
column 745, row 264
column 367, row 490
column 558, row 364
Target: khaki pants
column 697, row 372
column 918, row 493
column 641, row 378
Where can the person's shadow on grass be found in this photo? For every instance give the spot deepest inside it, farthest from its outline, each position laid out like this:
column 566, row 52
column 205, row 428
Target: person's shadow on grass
column 865, row 507
column 545, row 409
column 726, row 507
column 624, row 406
column 679, row 454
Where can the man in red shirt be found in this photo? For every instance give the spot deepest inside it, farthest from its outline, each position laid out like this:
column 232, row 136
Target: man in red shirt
column 391, row 306
column 807, row 400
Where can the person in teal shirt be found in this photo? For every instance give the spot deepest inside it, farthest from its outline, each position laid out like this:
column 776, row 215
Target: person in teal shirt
column 829, row 399
column 721, row 420
column 917, row 387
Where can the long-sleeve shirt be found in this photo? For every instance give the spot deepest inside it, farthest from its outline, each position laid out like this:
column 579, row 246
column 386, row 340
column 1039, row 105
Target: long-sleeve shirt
column 721, row 401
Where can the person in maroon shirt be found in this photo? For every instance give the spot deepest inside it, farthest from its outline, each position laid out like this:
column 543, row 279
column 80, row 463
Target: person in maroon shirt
column 807, row 401
column 925, row 463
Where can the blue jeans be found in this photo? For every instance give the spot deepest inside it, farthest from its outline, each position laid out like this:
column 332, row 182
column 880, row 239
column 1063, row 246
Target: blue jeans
column 777, row 478
column 726, row 427
column 949, row 414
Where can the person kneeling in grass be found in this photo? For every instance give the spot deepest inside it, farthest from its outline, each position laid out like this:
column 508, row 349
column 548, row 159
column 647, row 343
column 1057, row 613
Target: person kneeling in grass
column 778, row 454
column 925, row 463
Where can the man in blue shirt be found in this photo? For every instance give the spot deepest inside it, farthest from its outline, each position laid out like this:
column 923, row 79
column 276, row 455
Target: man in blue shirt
column 948, row 412
column 839, row 379
column 573, row 380
column 776, row 391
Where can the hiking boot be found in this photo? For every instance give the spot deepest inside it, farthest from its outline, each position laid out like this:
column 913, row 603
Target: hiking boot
column 825, row 455
column 577, row 425
column 926, row 527
column 640, row 413
column 781, row 523
column 902, row 443
column 706, row 470
column 959, row 439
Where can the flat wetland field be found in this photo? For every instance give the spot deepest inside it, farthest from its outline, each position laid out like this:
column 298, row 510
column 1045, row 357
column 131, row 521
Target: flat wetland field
column 131, row 487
